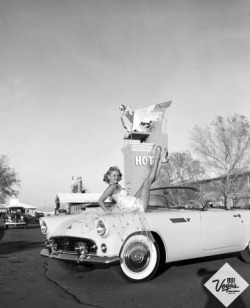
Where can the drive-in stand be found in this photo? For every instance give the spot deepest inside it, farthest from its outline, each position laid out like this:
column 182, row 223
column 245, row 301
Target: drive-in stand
column 146, row 128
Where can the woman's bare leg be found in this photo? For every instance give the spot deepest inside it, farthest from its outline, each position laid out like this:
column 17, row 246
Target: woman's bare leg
column 143, row 192
column 163, row 161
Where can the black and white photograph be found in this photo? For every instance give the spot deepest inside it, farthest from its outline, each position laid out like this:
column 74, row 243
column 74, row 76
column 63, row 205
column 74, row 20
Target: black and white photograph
column 124, row 153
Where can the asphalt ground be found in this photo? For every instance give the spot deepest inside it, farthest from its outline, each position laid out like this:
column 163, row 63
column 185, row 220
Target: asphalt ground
column 23, row 278
column 29, row 280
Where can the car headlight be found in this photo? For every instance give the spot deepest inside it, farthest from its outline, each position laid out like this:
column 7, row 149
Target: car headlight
column 44, row 227
column 101, row 228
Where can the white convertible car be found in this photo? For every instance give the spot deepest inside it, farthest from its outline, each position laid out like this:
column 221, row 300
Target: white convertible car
column 181, row 225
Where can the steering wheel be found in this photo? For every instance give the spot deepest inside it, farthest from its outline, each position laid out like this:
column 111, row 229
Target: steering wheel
column 192, row 204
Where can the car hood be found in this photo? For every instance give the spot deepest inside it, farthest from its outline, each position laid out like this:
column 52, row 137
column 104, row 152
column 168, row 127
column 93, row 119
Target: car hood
column 76, row 224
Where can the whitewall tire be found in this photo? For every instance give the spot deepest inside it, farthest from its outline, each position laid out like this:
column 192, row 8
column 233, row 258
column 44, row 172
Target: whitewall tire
column 140, row 258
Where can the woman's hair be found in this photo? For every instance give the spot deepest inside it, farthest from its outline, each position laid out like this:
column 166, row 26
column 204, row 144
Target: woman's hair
column 111, row 169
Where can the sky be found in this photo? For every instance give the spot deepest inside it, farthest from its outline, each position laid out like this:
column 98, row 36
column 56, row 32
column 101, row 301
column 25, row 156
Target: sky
column 67, row 65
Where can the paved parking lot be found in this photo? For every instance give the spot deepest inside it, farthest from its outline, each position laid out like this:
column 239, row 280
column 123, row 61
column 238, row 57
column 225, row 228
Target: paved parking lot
column 28, row 280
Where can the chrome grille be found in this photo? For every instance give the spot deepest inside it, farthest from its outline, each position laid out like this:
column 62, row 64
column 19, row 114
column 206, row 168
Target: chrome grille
column 67, row 244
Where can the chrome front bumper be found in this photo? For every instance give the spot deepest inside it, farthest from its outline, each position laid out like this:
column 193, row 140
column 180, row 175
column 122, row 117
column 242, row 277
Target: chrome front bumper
column 75, row 258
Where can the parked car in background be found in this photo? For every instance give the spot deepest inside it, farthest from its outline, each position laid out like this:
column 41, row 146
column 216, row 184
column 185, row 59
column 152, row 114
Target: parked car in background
column 14, row 217
column 179, row 226
column 38, row 216
column 62, row 212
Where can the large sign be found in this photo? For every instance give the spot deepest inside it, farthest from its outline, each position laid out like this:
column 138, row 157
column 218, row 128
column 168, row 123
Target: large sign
column 77, row 186
column 143, row 160
column 145, row 128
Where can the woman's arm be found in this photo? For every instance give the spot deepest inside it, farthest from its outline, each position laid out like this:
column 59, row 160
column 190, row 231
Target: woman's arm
column 107, row 193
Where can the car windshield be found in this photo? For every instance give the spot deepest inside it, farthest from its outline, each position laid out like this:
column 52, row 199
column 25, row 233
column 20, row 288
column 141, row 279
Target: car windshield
column 175, row 198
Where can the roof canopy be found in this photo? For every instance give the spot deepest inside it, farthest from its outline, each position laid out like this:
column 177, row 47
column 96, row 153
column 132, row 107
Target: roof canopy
column 15, row 203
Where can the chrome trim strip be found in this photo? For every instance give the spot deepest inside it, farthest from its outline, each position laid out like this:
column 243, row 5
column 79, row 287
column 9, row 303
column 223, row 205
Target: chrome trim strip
column 75, row 258
column 15, row 223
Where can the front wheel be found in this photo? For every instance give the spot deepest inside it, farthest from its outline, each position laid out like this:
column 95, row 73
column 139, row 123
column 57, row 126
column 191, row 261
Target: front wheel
column 140, row 258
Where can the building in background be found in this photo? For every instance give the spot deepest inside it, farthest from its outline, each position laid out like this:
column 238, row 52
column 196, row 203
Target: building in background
column 74, row 201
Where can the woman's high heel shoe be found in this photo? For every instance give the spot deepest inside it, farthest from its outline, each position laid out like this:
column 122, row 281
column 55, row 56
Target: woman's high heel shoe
column 157, row 154
column 165, row 159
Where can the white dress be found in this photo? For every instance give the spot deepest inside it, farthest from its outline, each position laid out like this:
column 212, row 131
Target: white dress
column 131, row 215
column 127, row 203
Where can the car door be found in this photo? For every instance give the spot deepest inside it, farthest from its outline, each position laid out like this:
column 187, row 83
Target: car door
column 222, row 229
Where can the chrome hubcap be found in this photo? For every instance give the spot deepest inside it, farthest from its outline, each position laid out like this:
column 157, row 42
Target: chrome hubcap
column 137, row 256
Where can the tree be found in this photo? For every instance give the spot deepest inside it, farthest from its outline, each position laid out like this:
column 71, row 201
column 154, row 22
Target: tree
column 224, row 148
column 8, row 180
column 181, row 168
